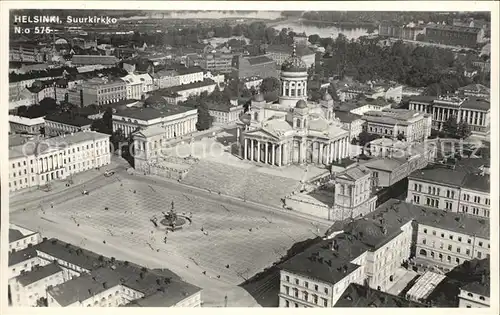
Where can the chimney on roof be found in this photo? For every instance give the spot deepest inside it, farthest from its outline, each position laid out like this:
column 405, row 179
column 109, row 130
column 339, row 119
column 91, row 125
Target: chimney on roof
column 345, row 268
column 105, row 285
column 320, row 260
column 90, row 292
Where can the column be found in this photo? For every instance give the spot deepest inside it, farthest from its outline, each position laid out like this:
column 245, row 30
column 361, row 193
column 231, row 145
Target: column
column 266, row 160
column 320, row 158
column 346, row 144
column 327, row 147
column 251, row 149
column 273, row 154
column 286, row 153
column 245, row 154
column 258, row 151
column 279, row 155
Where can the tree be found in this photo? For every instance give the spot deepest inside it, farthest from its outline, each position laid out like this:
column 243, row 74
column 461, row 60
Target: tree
column 450, row 126
column 204, row 118
column 333, row 92
column 313, row 39
column 463, row 130
column 270, row 84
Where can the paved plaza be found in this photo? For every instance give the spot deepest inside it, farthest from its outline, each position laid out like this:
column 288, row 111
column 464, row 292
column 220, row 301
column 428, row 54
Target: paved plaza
column 219, row 236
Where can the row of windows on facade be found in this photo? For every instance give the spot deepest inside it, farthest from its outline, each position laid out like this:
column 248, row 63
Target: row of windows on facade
column 450, row 248
column 423, row 252
column 449, row 193
column 86, row 155
column 32, row 239
column 305, row 296
column 469, row 294
column 107, row 90
column 306, row 284
column 459, row 238
column 431, row 202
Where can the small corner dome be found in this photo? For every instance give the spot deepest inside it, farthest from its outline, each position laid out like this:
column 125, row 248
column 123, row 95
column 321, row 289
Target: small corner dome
column 301, row 104
column 258, row 97
column 327, row 96
column 246, row 118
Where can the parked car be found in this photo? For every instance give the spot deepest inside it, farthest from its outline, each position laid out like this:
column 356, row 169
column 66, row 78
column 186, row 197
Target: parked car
column 108, row 173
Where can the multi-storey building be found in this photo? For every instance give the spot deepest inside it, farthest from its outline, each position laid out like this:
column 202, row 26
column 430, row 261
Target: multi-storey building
column 165, row 79
column 38, row 162
column 408, row 32
column 254, row 66
column 21, row 238
column 18, row 124
column 29, row 289
column 138, row 85
column 26, row 53
column 453, row 35
column 217, row 62
column 65, row 123
column 189, row 75
column 448, row 240
column 100, row 91
column 453, row 190
column 66, row 275
column 412, row 125
column 351, row 122
column 224, row 113
column 370, row 250
column 174, row 120
column 353, row 193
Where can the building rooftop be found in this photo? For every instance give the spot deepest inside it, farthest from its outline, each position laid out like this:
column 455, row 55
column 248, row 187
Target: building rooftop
column 191, row 70
column 150, row 113
column 69, row 253
column 423, row 98
column 69, row 119
column 256, row 60
column 346, row 117
column 356, row 295
column 173, row 294
column 15, row 235
column 22, row 255
column 476, row 103
column 475, row 88
column 424, row 286
column 385, row 164
column 355, row 172
column 38, row 273
column 458, row 177
column 94, row 59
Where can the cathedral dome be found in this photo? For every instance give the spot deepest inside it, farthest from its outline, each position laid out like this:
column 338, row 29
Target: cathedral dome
column 301, row 104
column 258, row 97
column 294, row 63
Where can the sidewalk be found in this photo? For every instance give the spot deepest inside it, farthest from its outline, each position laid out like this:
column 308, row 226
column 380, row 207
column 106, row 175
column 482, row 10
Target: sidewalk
column 60, row 185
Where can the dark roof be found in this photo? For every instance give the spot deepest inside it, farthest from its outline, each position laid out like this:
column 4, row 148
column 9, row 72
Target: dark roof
column 482, row 288
column 184, row 71
column 453, row 28
column 149, row 113
column 38, row 273
column 461, row 176
column 69, row 119
column 301, row 104
column 346, row 117
column 321, row 262
column 70, row 253
column 476, row 103
column 259, row 60
column 356, row 295
column 15, row 235
column 441, row 175
column 301, row 50
column 148, row 282
column 259, row 97
column 22, row 255
column 173, row 294
column 423, row 98
column 155, row 100
column 219, row 106
column 477, row 182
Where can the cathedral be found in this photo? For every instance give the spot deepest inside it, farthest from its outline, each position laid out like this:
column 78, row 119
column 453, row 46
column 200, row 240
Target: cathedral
column 292, row 130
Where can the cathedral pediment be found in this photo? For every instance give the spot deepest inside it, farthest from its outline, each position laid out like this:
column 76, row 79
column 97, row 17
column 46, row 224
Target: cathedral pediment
column 261, row 133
